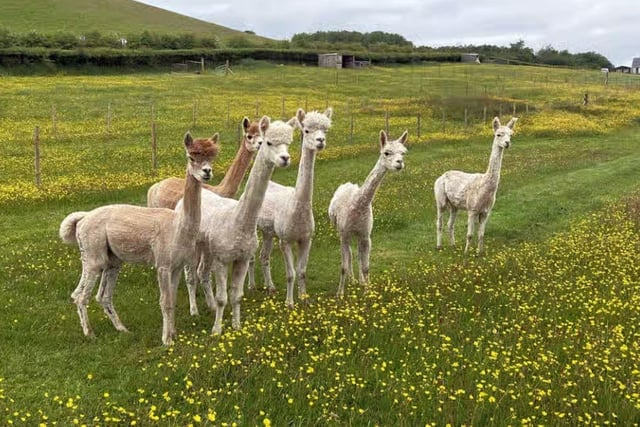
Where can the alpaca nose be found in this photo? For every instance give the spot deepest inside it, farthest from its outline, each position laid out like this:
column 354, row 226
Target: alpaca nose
column 207, row 173
column 320, row 145
column 285, row 158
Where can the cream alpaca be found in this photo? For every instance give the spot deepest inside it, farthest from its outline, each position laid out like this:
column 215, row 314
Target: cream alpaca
column 350, row 210
column 113, row 234
column 166, row 193
column 227, row 236
column 473, row 192
column 287, row 212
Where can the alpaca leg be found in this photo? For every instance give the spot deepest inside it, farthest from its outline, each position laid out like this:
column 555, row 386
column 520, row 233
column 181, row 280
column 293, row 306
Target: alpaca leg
column 175, row 281
column 204, row 275
column 471, row 222
column 251, row 273
column 439, row 222
column 190, row 276
column 81, row 296
column 346, row 272
column 238, row 274
column 105, row 295
column 304, row 247
column 220, row 271
column 453, row 212
column 364, row 249
column 289, row 262
column 483, row 218
column 167, row 304
column 265, row 259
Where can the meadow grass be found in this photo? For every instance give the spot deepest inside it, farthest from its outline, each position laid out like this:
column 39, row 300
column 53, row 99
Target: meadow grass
column 540, row 331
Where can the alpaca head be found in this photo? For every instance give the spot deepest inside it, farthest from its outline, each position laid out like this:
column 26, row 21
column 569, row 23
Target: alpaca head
column 392, row 152
column 502, row 134
column 276, row 138
column 200, row 154
column 314, row 127
column 251, row 137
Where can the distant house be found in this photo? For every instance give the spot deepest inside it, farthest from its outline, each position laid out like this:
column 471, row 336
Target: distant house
column 622, row 69
column 336, row 60
column 635, row 66
column 470, row 57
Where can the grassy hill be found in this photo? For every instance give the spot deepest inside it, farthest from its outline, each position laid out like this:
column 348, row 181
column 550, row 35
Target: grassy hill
column 105, row 16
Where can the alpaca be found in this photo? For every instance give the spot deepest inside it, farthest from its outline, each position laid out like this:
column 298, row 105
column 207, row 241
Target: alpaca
column 166, row 193
column 350, row 209
column 287, row 212
column 227, row 236
column 474, row 192
column 113, row 234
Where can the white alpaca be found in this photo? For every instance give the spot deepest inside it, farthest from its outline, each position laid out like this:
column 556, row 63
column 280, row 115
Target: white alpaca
column 113, row 234
column 287, row 212
column 227, row 236
column 473, row 192
column 350, row 210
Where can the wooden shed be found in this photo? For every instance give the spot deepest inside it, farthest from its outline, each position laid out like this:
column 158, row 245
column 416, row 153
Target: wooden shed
column 336, row 60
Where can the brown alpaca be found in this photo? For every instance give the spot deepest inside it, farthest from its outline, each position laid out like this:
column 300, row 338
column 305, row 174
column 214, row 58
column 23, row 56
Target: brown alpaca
column 166, row 193
column 113, row 234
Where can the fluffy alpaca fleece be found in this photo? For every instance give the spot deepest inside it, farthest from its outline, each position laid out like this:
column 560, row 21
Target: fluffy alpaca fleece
column 287, row 212
column 473, row 192
column 166, row 193
column 351, row 212
column 113, row 234
column 227, row 237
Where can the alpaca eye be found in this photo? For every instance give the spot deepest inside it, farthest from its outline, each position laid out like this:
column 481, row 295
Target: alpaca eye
column 269, row 143
column 387, row 153
column 249, row 137
column 306, row 131
column 191, row 159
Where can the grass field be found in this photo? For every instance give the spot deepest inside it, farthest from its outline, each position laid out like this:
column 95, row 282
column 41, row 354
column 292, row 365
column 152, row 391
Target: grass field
column 110, row 18
column 542, row 330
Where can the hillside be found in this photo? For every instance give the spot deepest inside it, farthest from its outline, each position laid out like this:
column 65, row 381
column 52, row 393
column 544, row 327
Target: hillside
column 104, row 16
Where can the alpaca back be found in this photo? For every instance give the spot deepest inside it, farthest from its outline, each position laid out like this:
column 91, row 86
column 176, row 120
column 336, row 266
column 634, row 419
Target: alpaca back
column 451, row 188
column 341, row 205
column 167, row 193
column 69, row 225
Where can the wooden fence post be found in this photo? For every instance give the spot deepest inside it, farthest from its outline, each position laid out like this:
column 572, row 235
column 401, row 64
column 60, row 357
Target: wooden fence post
column 443, row 120
column 109, row 117
column 228, row 113
column 36, row 159
column 466, row 118
column 484, row 115
column 154, row 148
column 386, row 120
column 54, row 121
column 283, row 117
column 351, row 130
column 419, row 130
column 195, row 113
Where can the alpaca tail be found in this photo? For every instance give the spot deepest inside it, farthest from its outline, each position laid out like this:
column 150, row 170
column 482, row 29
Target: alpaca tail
column 68, row 226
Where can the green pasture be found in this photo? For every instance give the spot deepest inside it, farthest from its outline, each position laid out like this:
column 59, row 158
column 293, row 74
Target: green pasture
column 542, row 330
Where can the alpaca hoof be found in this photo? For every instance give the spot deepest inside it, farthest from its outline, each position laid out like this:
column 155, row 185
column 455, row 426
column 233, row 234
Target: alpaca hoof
column 236, row 326
column 122, row 328
column 439, row 248
column 290, row 305
column 216, row 330
column 194, row 312
column 271, row 290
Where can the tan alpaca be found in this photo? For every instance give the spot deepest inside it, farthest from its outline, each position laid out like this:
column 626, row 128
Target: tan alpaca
column 474, row 192
column 227, row 238
column 166, row 193
column 287, row 212
column 113, row 234
column 351, row 212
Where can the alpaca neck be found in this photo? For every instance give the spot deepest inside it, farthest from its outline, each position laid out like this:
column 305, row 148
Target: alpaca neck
column 371, row 184
column 229, row 185
column 304, row 182
column 251, row 200
column 189, row 216
column 495, row 164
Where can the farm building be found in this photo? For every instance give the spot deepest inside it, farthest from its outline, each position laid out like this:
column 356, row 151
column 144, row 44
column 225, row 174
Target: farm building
column 635, row 66
column 470, row 57
column 622, row 69
column 336, row 60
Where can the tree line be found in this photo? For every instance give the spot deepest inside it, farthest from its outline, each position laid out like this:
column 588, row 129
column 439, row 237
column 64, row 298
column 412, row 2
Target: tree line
column 353, row 42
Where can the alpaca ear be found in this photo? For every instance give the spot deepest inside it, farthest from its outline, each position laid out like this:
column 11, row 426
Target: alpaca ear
column 403, row 137
column 265, row 121
column 246, row 123
column 300, row 115
column 215, row 138
column 294, row 122
column 512, row 122
column 496, row 123
column 328, row 112
column 188, row 140
column 383, row 139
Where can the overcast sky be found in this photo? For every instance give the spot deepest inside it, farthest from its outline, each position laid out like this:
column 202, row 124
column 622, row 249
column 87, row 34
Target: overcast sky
column 607, row 27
